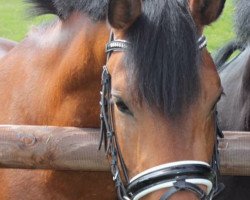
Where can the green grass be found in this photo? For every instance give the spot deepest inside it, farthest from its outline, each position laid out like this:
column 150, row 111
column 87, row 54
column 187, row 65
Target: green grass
column 15, row 20
column 15, row 23
column 222, row 30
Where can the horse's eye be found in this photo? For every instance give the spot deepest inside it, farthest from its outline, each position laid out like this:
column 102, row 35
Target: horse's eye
column 121, row 106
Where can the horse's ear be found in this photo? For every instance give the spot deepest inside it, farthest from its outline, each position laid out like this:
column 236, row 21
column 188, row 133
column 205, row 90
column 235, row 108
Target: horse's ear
column 123, row 13
column 206, row 11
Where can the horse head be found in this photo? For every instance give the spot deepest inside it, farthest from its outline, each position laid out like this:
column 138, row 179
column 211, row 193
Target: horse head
column 160, row 88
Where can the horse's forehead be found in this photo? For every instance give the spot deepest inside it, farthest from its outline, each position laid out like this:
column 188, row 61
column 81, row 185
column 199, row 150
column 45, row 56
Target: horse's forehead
column 122, row 80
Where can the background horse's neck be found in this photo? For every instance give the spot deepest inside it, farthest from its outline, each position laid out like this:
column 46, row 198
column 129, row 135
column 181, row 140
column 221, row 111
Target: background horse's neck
column 234, row 105
column 246, row 78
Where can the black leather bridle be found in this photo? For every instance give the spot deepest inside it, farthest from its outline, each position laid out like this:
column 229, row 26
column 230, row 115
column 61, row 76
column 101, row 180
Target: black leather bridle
column 177, row 176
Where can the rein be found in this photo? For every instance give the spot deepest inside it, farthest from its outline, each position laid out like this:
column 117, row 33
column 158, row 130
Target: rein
column 177, row 176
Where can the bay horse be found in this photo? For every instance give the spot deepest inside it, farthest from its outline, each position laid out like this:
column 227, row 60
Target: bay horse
column 163, row 93
column 5, row 46
column 234, row 106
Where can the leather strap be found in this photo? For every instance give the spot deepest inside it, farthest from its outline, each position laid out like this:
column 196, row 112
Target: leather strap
column 182, row 186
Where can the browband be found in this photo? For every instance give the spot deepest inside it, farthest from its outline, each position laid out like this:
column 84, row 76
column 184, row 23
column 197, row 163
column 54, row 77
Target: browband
column 117, row 45
column 122, row 45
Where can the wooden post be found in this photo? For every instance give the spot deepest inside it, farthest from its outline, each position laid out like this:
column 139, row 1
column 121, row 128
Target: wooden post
column 68, row 148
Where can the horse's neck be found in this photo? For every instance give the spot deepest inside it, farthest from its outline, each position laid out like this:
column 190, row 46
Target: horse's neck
column 246, row 77
column 238, row 69
column 235, row 105
column 5, row 46
column 57, row 74
column 80, row 51
column 244, row 90
column 77, row 45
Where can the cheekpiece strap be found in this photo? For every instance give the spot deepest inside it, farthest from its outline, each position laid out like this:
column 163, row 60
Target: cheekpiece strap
column 182, row 186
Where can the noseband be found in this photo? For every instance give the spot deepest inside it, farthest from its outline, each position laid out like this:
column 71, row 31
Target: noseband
column 177, row 176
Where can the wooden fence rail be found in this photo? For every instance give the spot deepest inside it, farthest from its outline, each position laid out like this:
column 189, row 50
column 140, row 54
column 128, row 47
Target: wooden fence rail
column 234, row 151
column 68, row 148
column 44, row 147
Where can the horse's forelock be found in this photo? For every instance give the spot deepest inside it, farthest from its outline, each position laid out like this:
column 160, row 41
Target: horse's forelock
column 163, row 56
column 96, row 9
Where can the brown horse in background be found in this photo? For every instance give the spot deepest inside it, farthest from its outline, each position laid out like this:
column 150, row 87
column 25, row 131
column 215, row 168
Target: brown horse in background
column 6, row 46
column 234, row 106
column 163, row 89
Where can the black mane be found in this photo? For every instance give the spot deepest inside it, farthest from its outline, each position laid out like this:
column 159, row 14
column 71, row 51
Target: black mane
column 96, row 9
column 163, row 56
column 242, row 20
